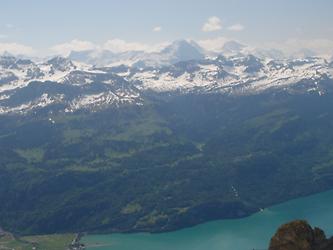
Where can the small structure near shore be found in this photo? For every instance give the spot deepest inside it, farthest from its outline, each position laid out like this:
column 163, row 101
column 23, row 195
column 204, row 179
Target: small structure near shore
column 76, row 245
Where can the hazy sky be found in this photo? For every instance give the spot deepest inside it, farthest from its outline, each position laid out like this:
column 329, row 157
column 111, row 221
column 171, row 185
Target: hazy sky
column 40, row 25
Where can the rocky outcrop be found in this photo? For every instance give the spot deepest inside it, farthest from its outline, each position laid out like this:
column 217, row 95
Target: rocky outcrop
column 299, row 235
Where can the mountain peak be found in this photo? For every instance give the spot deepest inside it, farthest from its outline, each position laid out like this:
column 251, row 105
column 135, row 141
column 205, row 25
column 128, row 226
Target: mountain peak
column 233, row 47
column 303, row 53
column 183, row 50
column 60, row 63
column 58, row 59
column 7, row 60
column 6, row 54
column 182, row 44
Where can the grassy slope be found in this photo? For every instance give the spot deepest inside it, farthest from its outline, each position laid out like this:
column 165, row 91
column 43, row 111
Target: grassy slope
column 163, row 167
column 40, row 242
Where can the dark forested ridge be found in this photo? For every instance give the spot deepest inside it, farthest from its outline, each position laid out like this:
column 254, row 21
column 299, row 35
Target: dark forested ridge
column 173, row 162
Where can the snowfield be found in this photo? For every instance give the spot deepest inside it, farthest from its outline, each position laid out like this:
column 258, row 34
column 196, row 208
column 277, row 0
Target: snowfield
column 77, row 85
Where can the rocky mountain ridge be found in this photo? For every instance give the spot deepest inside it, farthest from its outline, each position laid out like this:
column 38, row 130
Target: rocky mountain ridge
column 26, row 86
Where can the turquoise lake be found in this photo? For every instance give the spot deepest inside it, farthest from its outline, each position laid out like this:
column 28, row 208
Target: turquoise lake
column 253, row 232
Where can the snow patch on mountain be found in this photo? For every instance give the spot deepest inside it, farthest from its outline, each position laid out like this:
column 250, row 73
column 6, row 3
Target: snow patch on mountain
column 78, row 86
column 43, row 101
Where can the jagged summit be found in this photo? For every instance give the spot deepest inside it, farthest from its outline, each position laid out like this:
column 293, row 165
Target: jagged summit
column 233, row 47
column 180, row 68
column 7, row 61
column 60, row 63
column 182, row 50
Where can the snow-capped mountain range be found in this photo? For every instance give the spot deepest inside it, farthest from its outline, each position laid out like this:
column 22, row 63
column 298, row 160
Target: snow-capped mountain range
column 93, row 80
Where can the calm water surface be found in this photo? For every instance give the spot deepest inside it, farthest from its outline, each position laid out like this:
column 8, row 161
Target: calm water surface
column 249, row 233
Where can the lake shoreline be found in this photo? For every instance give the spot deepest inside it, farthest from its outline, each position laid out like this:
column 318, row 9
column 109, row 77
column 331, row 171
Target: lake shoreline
column 270, row 218
column 246, row 214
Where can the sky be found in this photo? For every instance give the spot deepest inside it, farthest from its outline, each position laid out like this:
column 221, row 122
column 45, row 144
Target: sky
column 44, row 26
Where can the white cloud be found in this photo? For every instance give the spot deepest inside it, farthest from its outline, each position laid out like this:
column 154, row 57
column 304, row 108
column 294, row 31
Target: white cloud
column 119, row 45
column 157, row 29
column 16, row 49
column 290, row 47
column 74, row 45
column 214, row 44
column 322, row 47
column 9, row 26
column 212, row 24
column 236, row 27
column 114, row 45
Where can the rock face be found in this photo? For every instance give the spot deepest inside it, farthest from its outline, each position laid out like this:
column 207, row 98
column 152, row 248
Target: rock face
column 299, row 235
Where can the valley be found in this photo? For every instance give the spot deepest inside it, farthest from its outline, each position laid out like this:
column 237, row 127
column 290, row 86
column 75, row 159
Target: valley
column 166, row 125
column 156, row 148
column 137, row 169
